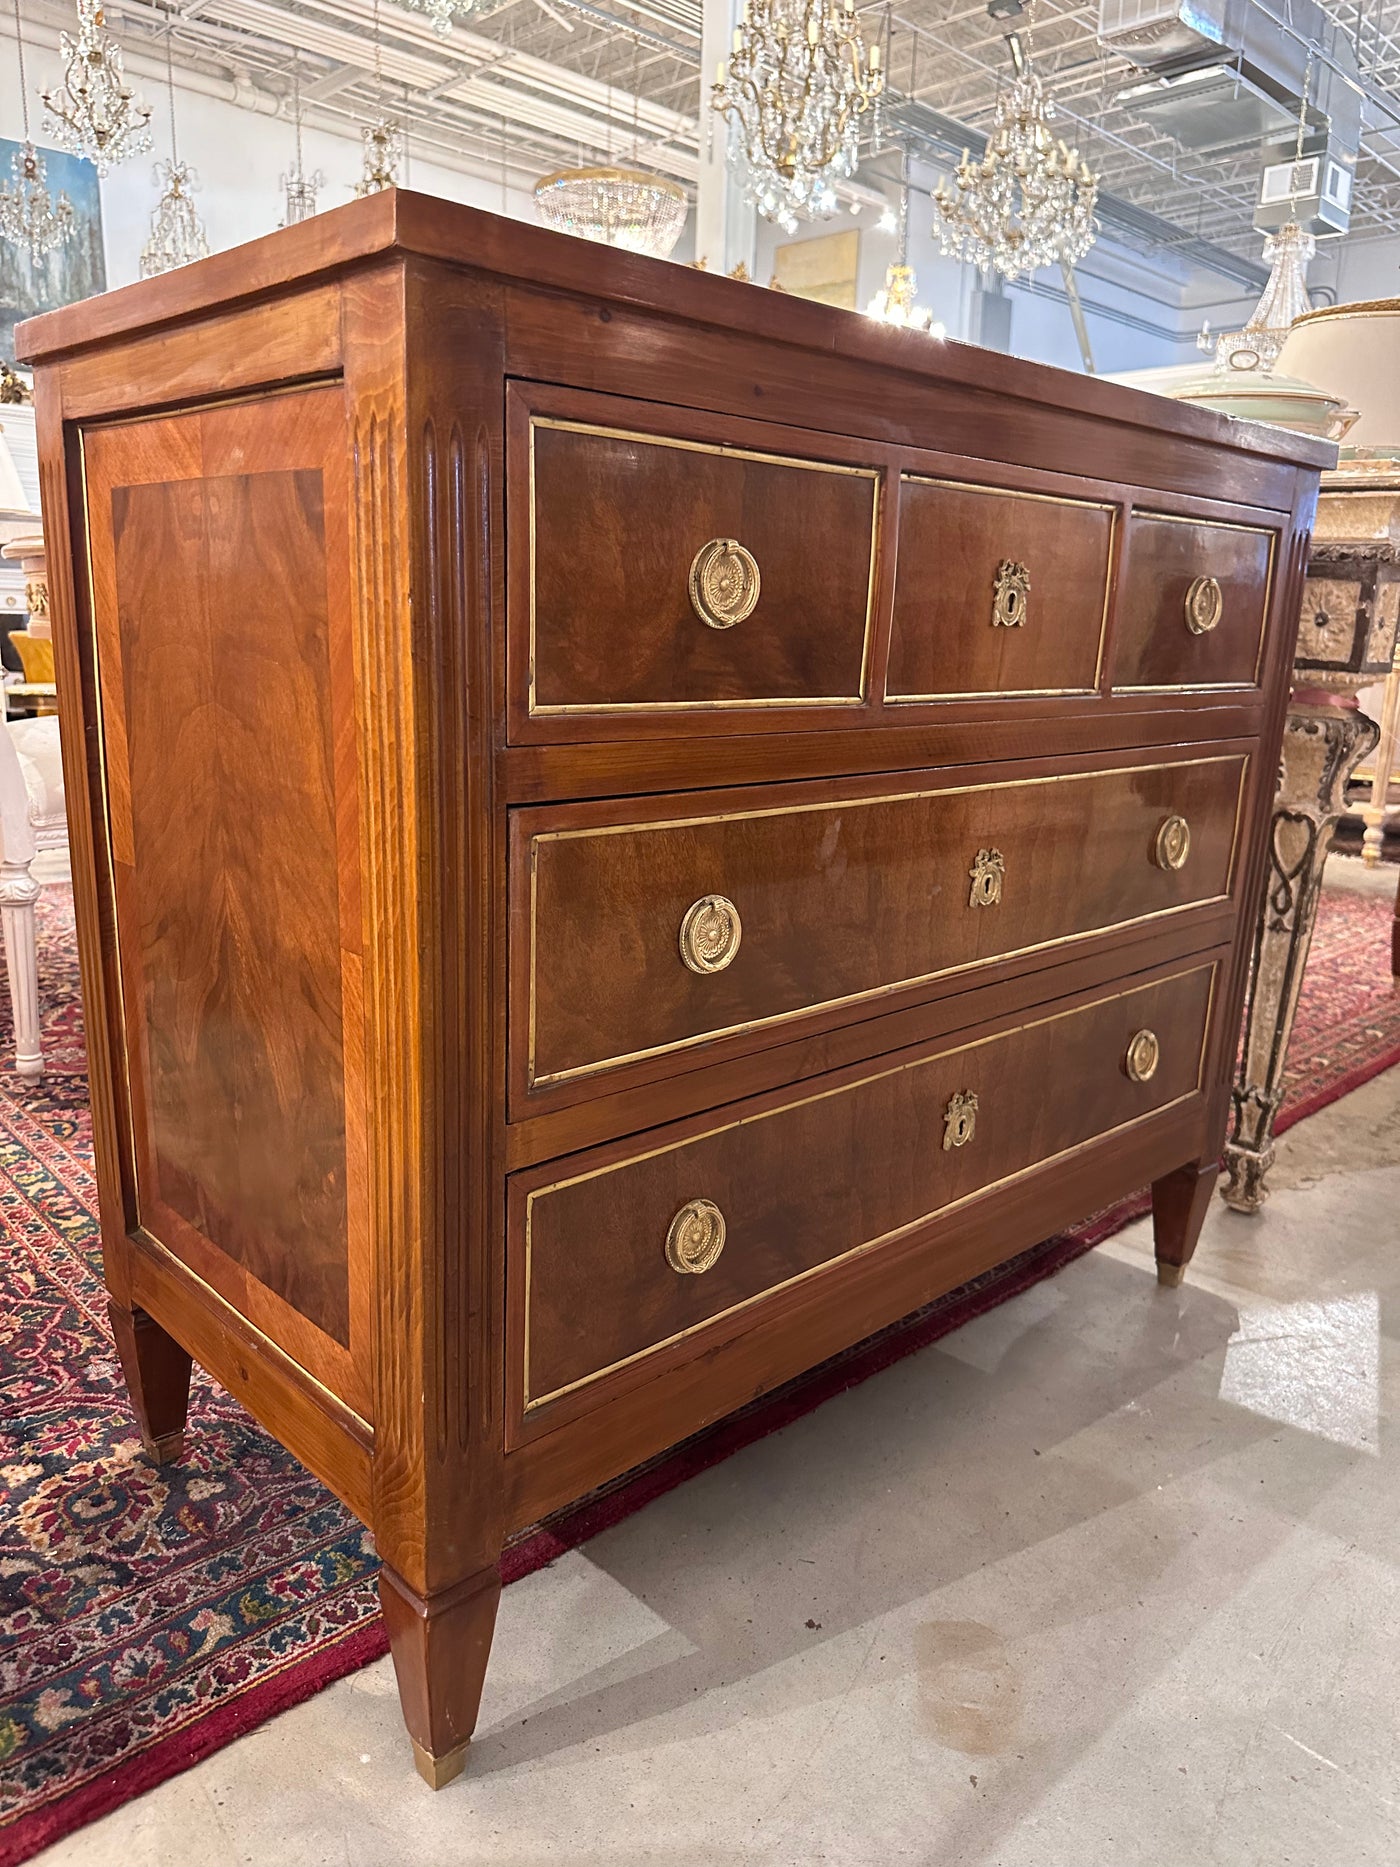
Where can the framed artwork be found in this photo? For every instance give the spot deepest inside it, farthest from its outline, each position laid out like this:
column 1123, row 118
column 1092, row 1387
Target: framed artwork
column 76, row 269
column 823, row 268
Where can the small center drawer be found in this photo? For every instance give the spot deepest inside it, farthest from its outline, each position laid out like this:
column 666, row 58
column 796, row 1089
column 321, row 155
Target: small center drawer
column 612, row 1261
column 668, row 574
column 1192, row 603
column 634, row 938
column 997, row 592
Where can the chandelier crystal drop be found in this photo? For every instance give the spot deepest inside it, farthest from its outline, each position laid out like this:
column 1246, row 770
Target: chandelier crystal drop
column 30, row 217
column 383, row 151
column 1030, row 201
column 177, row 235
column 93, row 113
column 443, row 13
column 624, row 207
column 793, row 93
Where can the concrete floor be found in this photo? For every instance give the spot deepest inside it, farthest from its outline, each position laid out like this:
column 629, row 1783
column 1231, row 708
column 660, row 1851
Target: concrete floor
column 1110, row 1578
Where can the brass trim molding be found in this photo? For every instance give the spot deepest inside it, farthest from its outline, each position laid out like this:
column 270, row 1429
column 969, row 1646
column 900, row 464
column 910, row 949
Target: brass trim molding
column 536, row 709
column 533, row 1403
column 600, row 1066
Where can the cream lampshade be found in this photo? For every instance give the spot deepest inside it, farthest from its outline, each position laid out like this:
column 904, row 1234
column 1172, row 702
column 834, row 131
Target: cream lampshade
column 1353, row 351
column 16, row 513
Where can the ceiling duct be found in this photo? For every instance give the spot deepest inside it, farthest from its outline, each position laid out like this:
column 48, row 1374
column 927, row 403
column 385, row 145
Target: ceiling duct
column 1224, row 75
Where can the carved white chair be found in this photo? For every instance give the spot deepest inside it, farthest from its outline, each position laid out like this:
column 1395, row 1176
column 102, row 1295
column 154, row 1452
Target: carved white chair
column 33, row 850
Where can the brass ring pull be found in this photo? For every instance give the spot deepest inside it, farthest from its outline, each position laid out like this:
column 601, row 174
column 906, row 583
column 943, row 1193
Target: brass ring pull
column 1144, row 1054
column 724, row 583
column 710, row 933
column 1010, row 594
column 1172, row 844
column 960, row 1119
column 695, row 1238
column 1204, row 603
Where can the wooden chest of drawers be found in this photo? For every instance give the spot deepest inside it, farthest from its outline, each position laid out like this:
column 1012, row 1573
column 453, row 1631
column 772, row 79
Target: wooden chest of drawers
column 629, row 831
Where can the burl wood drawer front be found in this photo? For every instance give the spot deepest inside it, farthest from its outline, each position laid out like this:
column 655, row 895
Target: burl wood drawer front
column 997, row 592
column 614, row 1260
column 1192, row 603
column 637, row 938
column 669, row 574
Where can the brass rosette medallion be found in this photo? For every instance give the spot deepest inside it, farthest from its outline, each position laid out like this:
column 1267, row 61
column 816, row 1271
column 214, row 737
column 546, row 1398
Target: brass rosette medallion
column 1144, row 1054
column 1205, row 602
column 695, row 1238
column 724, row 583
column 710, row 934
column 1173, row 844
column 959, row 1120
column 987, row 872
column 1010, row 594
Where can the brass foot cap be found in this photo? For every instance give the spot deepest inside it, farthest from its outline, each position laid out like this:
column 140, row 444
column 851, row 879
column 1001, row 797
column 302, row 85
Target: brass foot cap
column 437, row 1772
column 1170, row 1275
column 167, row 1449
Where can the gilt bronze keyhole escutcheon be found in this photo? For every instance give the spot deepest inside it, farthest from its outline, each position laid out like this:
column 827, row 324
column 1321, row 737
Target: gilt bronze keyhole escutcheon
column 1010, row 595
column 987, row 872
column 960, row 1120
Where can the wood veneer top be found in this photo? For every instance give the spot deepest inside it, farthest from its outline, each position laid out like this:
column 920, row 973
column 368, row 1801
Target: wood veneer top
column 397, row 220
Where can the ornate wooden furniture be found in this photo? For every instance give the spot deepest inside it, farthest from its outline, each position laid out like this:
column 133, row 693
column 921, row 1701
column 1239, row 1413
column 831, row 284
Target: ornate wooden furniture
column 1347, row 632
column 630, row 831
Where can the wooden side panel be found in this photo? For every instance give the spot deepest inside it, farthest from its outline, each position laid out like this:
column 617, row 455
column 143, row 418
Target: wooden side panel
column 220, row 571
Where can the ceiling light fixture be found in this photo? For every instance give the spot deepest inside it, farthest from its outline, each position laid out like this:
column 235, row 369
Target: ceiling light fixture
column 897, row 300
column 93, row 113
column 30, row 217
column 177, row 234
column 793, row 93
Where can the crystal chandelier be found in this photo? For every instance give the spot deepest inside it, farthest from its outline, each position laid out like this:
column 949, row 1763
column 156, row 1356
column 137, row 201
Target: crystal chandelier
column 897, row 300
column 1030, row 201
column 629, row 208
column 443, row 13
column 383, row 141
column 92, row 113
column 177, row 235
column 299, row 187
column 1284, row 298
column 793, row 92
column 29, row 215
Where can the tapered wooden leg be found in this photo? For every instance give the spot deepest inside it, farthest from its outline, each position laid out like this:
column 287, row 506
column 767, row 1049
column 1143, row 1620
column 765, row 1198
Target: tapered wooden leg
column 1179, row 1204
column 157, row 1372
column 440, row 1648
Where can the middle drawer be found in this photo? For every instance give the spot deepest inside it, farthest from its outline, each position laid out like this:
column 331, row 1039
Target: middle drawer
column 643, row 928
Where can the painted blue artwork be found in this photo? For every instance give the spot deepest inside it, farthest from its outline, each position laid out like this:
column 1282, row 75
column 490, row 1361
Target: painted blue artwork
column 76, row 269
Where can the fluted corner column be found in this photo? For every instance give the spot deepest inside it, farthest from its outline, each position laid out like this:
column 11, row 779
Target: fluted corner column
column 1325, row 739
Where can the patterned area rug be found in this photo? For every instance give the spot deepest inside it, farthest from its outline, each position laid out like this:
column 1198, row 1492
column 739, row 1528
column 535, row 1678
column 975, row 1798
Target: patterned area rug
column 148, row 1615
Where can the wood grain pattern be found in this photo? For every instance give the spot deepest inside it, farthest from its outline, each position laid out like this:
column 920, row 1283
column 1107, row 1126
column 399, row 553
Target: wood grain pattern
column 844, row 892
column 831, row 1174
column 953, row 541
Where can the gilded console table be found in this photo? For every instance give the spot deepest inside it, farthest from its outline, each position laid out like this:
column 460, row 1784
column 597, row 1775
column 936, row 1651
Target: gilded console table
column 1346, row 641
column 579, row 925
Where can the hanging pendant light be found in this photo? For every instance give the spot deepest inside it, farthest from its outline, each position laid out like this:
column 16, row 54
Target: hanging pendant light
column 299, row 187
column 793, row 92
column 31, row 218
column 177, row 234
column 443, row 13
column 616, row 206
column 1030, row 201
column 93, row 113
column 897, row 301
column 382, row 136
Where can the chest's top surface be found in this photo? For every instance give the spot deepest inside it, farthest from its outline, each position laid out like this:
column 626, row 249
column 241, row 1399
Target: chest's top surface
column 398, row 221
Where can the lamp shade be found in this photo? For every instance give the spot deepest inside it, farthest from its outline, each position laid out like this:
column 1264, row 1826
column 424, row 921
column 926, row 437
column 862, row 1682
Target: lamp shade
column 1353, row 351
column 14, row 501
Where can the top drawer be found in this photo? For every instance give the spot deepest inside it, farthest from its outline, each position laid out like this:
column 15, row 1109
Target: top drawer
column 669, row 573
column 997, row 592
column 1193, row 597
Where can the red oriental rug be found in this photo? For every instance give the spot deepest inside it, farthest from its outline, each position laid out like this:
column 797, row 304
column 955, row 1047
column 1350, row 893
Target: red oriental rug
column 149, row 1615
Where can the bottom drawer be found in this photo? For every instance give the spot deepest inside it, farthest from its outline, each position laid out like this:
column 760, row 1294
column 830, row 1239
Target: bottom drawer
column 623, row 1257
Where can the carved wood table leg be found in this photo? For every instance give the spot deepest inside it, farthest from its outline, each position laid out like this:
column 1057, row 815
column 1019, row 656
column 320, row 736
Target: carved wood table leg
column 1326, row 737
column 157, row 1374
column 1179, row 1202
column 440, row 1648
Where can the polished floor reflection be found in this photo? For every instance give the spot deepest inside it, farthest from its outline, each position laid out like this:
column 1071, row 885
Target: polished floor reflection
column 1110, row 1577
